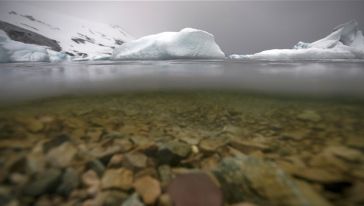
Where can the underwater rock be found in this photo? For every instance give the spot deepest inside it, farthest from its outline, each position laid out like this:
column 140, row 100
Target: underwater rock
column 70, row 181
column 55, row 142
column 148, row 188
column 319, row 175
column 195, row 189
column 92, row 182
column 109, row 198
column 172, row 152
column 247, row 146
column 211, row 144
column 247, row 178
column 45, row 182
column 309, row 115
column 136, row 160
column 165, row 174
column 165, row 200
column 117, row 179
column 133, row 200
column 116, row 160
column 97, row 166
column 62, row 156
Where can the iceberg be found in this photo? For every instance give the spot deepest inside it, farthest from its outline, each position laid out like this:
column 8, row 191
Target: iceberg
column 80, row 38
column 14, row 51
column 345, row 42
column 186, row 44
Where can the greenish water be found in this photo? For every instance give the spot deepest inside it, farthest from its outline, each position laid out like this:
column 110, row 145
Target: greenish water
column 70, row 132
column 288, row 131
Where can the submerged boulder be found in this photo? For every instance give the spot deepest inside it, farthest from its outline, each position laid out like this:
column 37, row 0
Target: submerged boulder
column 246, row 178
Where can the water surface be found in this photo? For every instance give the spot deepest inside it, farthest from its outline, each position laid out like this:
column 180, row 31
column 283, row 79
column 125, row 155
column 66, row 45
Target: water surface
column 33, row 80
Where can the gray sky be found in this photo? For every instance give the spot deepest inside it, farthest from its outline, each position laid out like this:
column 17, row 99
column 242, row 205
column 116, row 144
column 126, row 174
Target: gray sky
column 239, row 26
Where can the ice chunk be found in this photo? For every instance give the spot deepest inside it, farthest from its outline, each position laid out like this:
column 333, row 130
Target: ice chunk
column 13, row 51
column 301, row 54
column 186, row 44
column 345, row 42
column 55, row 56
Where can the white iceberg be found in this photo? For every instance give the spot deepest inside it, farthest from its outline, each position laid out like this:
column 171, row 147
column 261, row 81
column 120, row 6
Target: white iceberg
column 345, row 42
column 14, row 51
column 186, row 44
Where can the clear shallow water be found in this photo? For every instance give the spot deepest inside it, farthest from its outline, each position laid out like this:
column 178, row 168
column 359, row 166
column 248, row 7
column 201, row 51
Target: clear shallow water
column 33, row 80
column 225, row 110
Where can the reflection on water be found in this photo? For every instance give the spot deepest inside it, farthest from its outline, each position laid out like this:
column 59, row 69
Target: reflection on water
column 27, row 80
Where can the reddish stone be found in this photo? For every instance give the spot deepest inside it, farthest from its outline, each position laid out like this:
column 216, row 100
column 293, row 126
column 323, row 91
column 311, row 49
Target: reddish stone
column 194, row 189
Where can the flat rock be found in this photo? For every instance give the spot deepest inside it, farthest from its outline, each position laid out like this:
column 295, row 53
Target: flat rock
column 337, row 157
column 211, row 144
column 116, row 160
column 133, row 200
column 109, row 198
column 172, row 152
column 97, row 166
column 70, row 181
column 148, row 188
column 45, row 182
column 247, row 178
column 319, row 175
column 62, row 156
column 117, row 179
column 33, row 124
column 55, row 142
column 309, row 115
column 247, row 146
column 91, row 180
column 297, row 134
column 137, row 159
column 194, row 189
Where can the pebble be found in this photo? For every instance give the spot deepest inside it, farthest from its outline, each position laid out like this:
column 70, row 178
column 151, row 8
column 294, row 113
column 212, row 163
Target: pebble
column 45, row 182
column 133, row 200
column 62, row 156
column 70, row 181
column 194, row 189
column 137, row 159
column 211, row 144
column 97, row 166
column 172, row 152
column 117, row 179
column 309, row 115
column 165, row 174
column 148, row 188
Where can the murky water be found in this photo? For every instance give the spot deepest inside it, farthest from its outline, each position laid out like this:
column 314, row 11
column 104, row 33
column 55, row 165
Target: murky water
column 270, row 133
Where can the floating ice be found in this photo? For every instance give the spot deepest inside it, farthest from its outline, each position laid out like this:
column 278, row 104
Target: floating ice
column 186, row 44
column 345, row 42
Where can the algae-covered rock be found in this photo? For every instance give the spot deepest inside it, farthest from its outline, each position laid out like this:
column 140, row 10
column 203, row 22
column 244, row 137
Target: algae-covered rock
column 247, row 178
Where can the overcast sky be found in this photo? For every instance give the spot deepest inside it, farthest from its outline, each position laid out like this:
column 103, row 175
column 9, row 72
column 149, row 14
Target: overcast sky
column 239, row 26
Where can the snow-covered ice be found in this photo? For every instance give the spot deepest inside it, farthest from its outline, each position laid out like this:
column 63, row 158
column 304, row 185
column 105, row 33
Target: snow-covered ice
column 13, row 51
column 82, row 38
column 345, row 42
column 186, row 44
